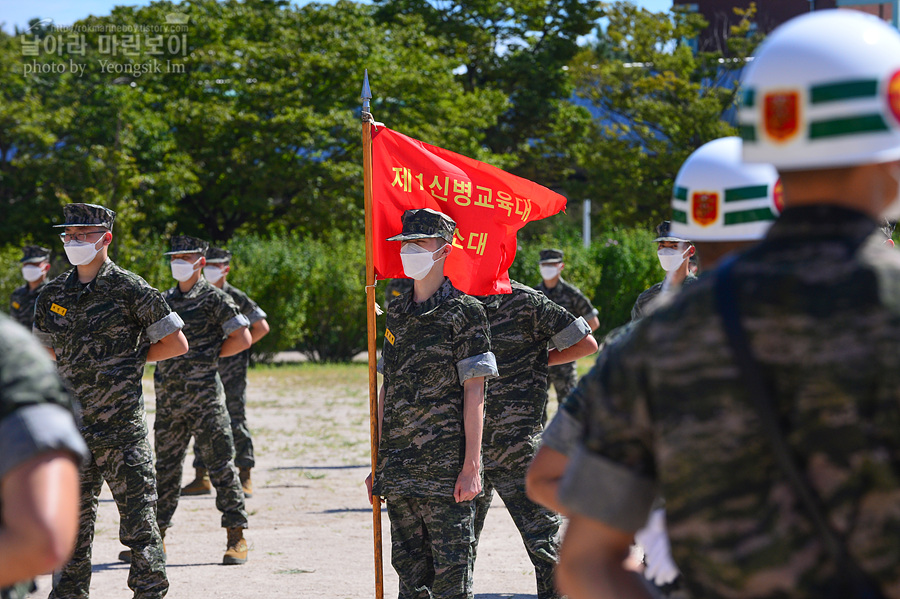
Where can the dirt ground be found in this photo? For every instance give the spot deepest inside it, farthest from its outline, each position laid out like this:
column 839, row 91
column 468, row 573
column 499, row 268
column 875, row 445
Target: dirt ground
column 311, row 524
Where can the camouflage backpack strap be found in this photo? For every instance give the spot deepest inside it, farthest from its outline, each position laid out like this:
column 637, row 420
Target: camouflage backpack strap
column 853, row 580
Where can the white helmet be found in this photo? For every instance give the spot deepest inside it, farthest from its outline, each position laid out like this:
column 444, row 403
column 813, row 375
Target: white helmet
column 718, row 197
column 824, row 91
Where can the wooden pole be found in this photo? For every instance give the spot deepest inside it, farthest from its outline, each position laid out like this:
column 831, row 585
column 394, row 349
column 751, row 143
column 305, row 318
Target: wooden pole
column 370, row 321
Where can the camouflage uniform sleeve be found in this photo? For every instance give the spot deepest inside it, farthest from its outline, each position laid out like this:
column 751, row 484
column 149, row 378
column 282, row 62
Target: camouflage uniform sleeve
column 33, row 405
column 250, row 309
column 40, row 316
column 558, row 325
column 472, row 345
column 149, row 308
column 229, row 315
column 583, row 306
column 569, row 426
column 611, row 475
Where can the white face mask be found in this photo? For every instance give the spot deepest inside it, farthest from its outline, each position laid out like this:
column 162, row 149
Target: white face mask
column 81, row 252
column 213, row 273
column 670, row 259
column 32, row 273
column 182, row 270
column 548, row 271
column 417, row 261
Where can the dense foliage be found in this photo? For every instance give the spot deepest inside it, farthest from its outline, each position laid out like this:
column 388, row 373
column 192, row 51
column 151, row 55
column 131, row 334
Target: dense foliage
column 249, row 135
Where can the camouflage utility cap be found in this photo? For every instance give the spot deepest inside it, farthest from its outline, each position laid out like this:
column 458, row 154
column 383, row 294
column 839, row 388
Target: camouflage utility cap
column 551, row 255
column 32, row 254
column 664, row 233
column 87, row 215
column 185, row 244
column 217, row 256
column 425, row 223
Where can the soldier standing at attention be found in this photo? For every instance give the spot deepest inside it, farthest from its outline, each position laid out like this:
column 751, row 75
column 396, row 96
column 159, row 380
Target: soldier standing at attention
column 435, row 359
column 674, row 254
column 40, row 449
column 190, row 399
column 35, row 266
column 233, row 372
column 102, row 324
column 563, row 376
column 763, row 402
column 524, row 325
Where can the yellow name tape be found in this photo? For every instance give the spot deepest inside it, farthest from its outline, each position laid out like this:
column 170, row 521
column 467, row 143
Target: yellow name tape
column 389, row 336
column 16, row 305
column 58, row 309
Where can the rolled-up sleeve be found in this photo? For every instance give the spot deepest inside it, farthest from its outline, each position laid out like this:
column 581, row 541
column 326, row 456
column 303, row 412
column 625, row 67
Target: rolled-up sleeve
column 164, row 327
column 571, row 335
column 598, row 488
column 481, row 365
column 256, row 314
column 563, row 433
column 233, row 324
column 36, row 429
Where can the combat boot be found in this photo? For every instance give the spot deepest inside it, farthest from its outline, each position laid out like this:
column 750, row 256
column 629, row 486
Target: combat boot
column 200, row 485
column 246, row 483
column 236, row 553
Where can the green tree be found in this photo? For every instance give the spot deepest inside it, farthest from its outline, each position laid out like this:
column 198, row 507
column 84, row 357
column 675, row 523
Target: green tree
column 656, row 101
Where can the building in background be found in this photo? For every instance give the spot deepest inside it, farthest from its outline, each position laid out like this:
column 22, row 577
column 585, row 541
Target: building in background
column 770, row 14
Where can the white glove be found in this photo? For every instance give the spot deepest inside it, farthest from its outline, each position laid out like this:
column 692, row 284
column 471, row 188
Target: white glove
column 653, row 539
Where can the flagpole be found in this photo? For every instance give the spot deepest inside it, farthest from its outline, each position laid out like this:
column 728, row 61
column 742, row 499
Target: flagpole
column 370, row 321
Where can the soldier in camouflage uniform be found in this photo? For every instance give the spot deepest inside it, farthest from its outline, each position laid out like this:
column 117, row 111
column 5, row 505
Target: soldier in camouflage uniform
column 102, row 324
column 563, row 376
column 233, row 371
column 40, row 449
column 670, row 407
column 524, row 323
column 35, row 266
column 190, row 399
column 669, row 249
column 435, row 358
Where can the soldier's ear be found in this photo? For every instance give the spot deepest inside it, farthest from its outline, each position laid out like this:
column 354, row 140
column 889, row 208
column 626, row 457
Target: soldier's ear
column 107, row 238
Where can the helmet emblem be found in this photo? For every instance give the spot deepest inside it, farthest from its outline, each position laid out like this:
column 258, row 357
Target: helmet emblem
column 893, row 95
column 782, row 115
column 705, row 207
column 778, row 197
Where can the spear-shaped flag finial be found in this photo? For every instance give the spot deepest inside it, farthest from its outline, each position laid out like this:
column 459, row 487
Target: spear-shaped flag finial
column 366, row 94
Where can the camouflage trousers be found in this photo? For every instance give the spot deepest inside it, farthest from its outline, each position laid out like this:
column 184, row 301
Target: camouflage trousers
column 128, row 470
column 538, row 526
column 432, row 546
column 236, row 403
column 563, row 377
column 212, row 439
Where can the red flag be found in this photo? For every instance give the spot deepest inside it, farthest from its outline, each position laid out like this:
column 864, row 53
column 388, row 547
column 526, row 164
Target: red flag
column 488, row 205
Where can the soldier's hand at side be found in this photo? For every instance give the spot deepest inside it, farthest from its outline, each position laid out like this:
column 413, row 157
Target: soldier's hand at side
column 369, row 489
column 468, row 485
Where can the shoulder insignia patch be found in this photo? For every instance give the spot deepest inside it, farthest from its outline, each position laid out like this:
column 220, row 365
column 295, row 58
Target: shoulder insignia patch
column 58, row 309
column 389, row 336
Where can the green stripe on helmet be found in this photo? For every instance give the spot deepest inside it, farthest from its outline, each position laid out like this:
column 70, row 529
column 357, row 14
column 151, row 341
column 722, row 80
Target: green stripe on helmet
column 749, row 216
column 869, row 123
column 748, row 132
column 679, row 216
column 848, row 90
column 752, row 192
column 681, row 193
column 749, row 98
